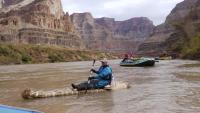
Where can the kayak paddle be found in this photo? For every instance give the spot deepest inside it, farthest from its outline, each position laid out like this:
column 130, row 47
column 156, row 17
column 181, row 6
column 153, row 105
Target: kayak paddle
column 91, row 73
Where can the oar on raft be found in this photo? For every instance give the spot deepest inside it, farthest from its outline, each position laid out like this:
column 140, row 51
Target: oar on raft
column 31, row 94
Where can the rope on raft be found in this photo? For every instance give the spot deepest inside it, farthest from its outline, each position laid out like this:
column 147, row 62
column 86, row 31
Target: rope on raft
column 31, row 94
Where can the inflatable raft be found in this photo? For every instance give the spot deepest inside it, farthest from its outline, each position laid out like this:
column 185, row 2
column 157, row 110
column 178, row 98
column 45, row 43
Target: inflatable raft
column 34, row 94
column 142, row 62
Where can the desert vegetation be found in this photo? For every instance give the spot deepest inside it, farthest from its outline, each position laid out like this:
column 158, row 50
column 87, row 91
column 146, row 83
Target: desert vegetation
column 27, row 54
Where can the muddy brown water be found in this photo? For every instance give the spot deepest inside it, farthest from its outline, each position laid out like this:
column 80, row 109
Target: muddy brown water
column 165, row 88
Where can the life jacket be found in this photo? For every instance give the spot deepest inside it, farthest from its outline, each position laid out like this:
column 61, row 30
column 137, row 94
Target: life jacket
column 108, row 77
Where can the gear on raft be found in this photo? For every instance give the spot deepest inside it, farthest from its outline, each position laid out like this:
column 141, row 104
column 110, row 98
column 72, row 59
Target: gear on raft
column 31, row 94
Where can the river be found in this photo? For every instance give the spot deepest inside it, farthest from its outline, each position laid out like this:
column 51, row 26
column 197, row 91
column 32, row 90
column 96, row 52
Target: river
column 165, row 88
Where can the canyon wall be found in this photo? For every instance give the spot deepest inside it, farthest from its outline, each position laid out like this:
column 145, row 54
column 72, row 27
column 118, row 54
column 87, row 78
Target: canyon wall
column 37, row 22
column 176, row 35
column 109, row 35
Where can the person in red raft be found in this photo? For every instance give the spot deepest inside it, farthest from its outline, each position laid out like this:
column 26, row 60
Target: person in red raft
column 126, row 57
column 103, row 78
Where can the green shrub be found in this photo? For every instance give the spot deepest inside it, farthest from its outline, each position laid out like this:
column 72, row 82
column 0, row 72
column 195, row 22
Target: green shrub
column 26, row 58
column 5, row 50
column 56, row 58
column 192, row 50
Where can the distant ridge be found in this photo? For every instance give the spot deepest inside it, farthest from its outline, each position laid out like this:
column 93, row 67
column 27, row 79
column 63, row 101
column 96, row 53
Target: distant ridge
column 109, row 35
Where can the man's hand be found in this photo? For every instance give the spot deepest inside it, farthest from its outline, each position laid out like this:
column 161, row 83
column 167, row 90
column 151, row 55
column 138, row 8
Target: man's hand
column 90, row 78
column 92, row 70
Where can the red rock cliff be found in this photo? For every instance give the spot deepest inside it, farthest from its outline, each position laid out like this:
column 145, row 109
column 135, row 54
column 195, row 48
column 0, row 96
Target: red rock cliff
column 181, row 25
column 38, row 22
column 109, row 35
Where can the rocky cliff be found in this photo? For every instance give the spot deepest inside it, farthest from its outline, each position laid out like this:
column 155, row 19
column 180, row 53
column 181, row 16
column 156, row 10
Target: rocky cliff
column 178, row 31
column 109, row 35
column 36, row 22
column 6, row 3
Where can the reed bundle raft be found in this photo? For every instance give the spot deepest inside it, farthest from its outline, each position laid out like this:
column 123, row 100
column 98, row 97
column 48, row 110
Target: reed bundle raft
column 33, row 94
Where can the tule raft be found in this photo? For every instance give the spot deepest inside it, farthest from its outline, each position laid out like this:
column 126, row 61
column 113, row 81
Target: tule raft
column 33, row 94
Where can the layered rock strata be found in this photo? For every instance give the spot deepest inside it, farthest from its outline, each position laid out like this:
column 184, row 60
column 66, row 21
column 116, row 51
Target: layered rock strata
column 38, row 22
column 109, row 35
column 180, row 26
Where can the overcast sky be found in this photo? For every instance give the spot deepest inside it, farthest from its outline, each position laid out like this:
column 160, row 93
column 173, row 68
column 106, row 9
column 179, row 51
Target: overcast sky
column 156, row 10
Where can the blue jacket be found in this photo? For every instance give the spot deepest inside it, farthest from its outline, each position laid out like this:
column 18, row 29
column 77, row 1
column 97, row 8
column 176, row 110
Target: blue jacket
column 104, row 76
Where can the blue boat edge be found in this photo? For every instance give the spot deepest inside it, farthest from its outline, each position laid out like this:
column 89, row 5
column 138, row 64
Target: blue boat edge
column 12, row 108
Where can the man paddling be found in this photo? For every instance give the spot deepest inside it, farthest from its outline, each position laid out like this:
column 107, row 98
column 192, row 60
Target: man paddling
column 103, row 78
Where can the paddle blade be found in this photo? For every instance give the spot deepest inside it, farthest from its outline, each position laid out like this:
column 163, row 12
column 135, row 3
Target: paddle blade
column 93, row 62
